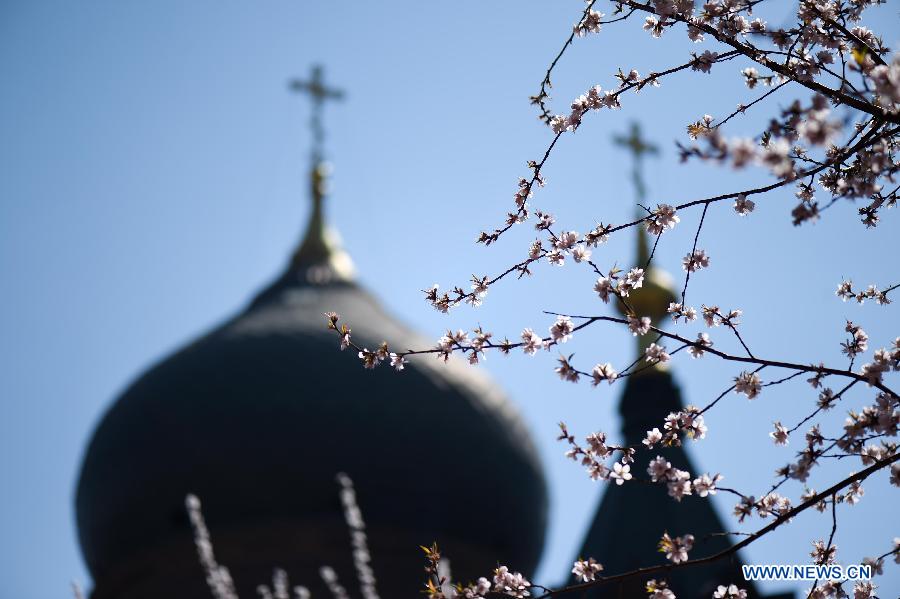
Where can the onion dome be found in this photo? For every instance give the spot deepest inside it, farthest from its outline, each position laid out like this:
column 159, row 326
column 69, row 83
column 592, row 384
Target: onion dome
column 259, row 415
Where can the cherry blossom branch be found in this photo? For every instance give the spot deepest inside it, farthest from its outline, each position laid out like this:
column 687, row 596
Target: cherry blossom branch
column 825, row 406
column 541, row 97
column 741, row 109
column 612, row 99
column 872, row 136
column 690, row 258
column 732, row 358
column 778, row 521
column 876, row 57
column 759, row 56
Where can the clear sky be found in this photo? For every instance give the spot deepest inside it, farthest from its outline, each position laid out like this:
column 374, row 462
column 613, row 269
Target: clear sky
column 152, row 177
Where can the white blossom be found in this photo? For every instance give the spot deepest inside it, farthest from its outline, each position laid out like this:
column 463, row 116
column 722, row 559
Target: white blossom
column 581, row 254
column 729, row 592
column 656, row 353
column 863, row 589
column 695, row 261
column 743, row 152
column 478, row 590
column 653, row 437
column 634, row 279
column 620, row 473
column 659, row 590
column 748, row 383
column 561, row 330
column 639, row 326
column 566, row 240
column 823, row 554
column 703, row 341
column 705, row 485
column 398, row 362
column 531, row 342
column 587, row 569
column 604, row 372
column 603, row 287
column 591, row 23
column 704, row 62
column 780, row 434
column 662, row 219
column 511, row 583
column 676, row 549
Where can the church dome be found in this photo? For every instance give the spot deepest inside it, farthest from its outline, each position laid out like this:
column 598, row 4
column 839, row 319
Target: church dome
column 258, row 416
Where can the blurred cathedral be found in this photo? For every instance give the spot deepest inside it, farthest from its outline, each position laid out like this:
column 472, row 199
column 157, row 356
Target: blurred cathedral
column 257, row 416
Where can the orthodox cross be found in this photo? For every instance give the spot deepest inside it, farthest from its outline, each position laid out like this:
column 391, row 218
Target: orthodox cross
column 634, row 142
column 318, row 93
column 655, row 296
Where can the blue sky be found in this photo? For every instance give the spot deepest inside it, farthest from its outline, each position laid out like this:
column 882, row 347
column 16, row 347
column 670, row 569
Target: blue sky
column 153, row 177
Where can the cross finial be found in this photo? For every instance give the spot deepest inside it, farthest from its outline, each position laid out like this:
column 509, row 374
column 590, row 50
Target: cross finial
column 634, row 142
column 654, row 297
column 318, row 93
column 319, row 259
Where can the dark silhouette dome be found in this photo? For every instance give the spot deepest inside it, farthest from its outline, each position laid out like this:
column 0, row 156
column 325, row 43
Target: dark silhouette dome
column 258, row 416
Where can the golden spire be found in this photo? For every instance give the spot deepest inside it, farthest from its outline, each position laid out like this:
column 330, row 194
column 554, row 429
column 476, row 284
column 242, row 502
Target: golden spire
column 320, row 254
column 653, row 298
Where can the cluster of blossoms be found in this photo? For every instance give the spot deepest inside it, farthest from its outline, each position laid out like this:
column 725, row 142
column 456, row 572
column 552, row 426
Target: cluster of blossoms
column 591, row 23
column 858, row 342
column 845, row 291
column 510, row 583
column 823, row 554
column 594, row 99
column 886, row 78
column 881, row 419
column 656, row 354
column 780, row 434
column 694, row 261
column 883, row 360
column 603, row 372
column 586, row 570
column 713, row 317
column 596, row 453
column 807, row 457
column 748, row 383
column 621, row 286
column 700, row 345
column 729, row 592
column 688, row 422
column 662, row 219
column 638, row 325
column 862, row 589
column 679, row 481
column 371, row 359
column 778, row 151
column 769, row 504
column 659, row 589
column 567, row 243
column 704, row 62
column 680, row 311
column 442, row 301
column 676, row 549
column 504, row 582
column 743, row 206
column 561, row 330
